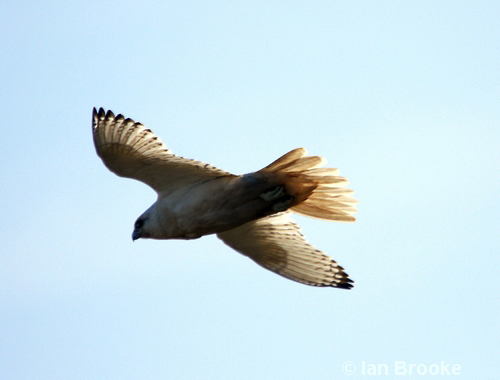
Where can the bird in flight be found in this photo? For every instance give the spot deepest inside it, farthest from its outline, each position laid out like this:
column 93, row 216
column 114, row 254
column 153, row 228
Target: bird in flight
column 250, row 212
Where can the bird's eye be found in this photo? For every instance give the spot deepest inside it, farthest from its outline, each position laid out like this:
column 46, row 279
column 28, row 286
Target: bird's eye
column 139, row 223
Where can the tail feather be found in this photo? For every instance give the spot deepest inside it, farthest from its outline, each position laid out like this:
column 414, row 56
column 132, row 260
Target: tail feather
column 318, row 192
column 321, row 212
column 323, row 172
column 338, row 191
column 304, row 163
column 288, row 158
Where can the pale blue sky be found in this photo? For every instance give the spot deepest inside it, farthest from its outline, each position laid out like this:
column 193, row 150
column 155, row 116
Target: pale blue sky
column 403, row 97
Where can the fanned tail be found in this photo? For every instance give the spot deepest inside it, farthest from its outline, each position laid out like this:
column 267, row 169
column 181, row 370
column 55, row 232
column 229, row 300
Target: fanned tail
column 318, row 192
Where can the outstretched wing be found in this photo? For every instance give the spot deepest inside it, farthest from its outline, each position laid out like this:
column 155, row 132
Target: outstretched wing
column 130, row 150
column 276, row 243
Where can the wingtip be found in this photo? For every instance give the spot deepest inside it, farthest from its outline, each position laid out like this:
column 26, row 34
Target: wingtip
column 97, row 115
column 346, row 283
column 101, row 113
column 95, row 118
column 345, row 286
column 109, row 114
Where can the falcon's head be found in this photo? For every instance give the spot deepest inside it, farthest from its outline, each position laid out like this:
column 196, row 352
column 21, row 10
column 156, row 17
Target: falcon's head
column 154, row 225
column 146, row 226
column 140, row 229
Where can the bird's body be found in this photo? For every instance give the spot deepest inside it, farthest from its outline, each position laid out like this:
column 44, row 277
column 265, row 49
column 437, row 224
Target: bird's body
column 210, row 207
column 248, row 212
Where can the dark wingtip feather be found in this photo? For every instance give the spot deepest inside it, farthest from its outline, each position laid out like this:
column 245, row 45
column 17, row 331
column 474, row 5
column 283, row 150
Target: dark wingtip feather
column 96, row 115
column 346, row 286
column 345, row 282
